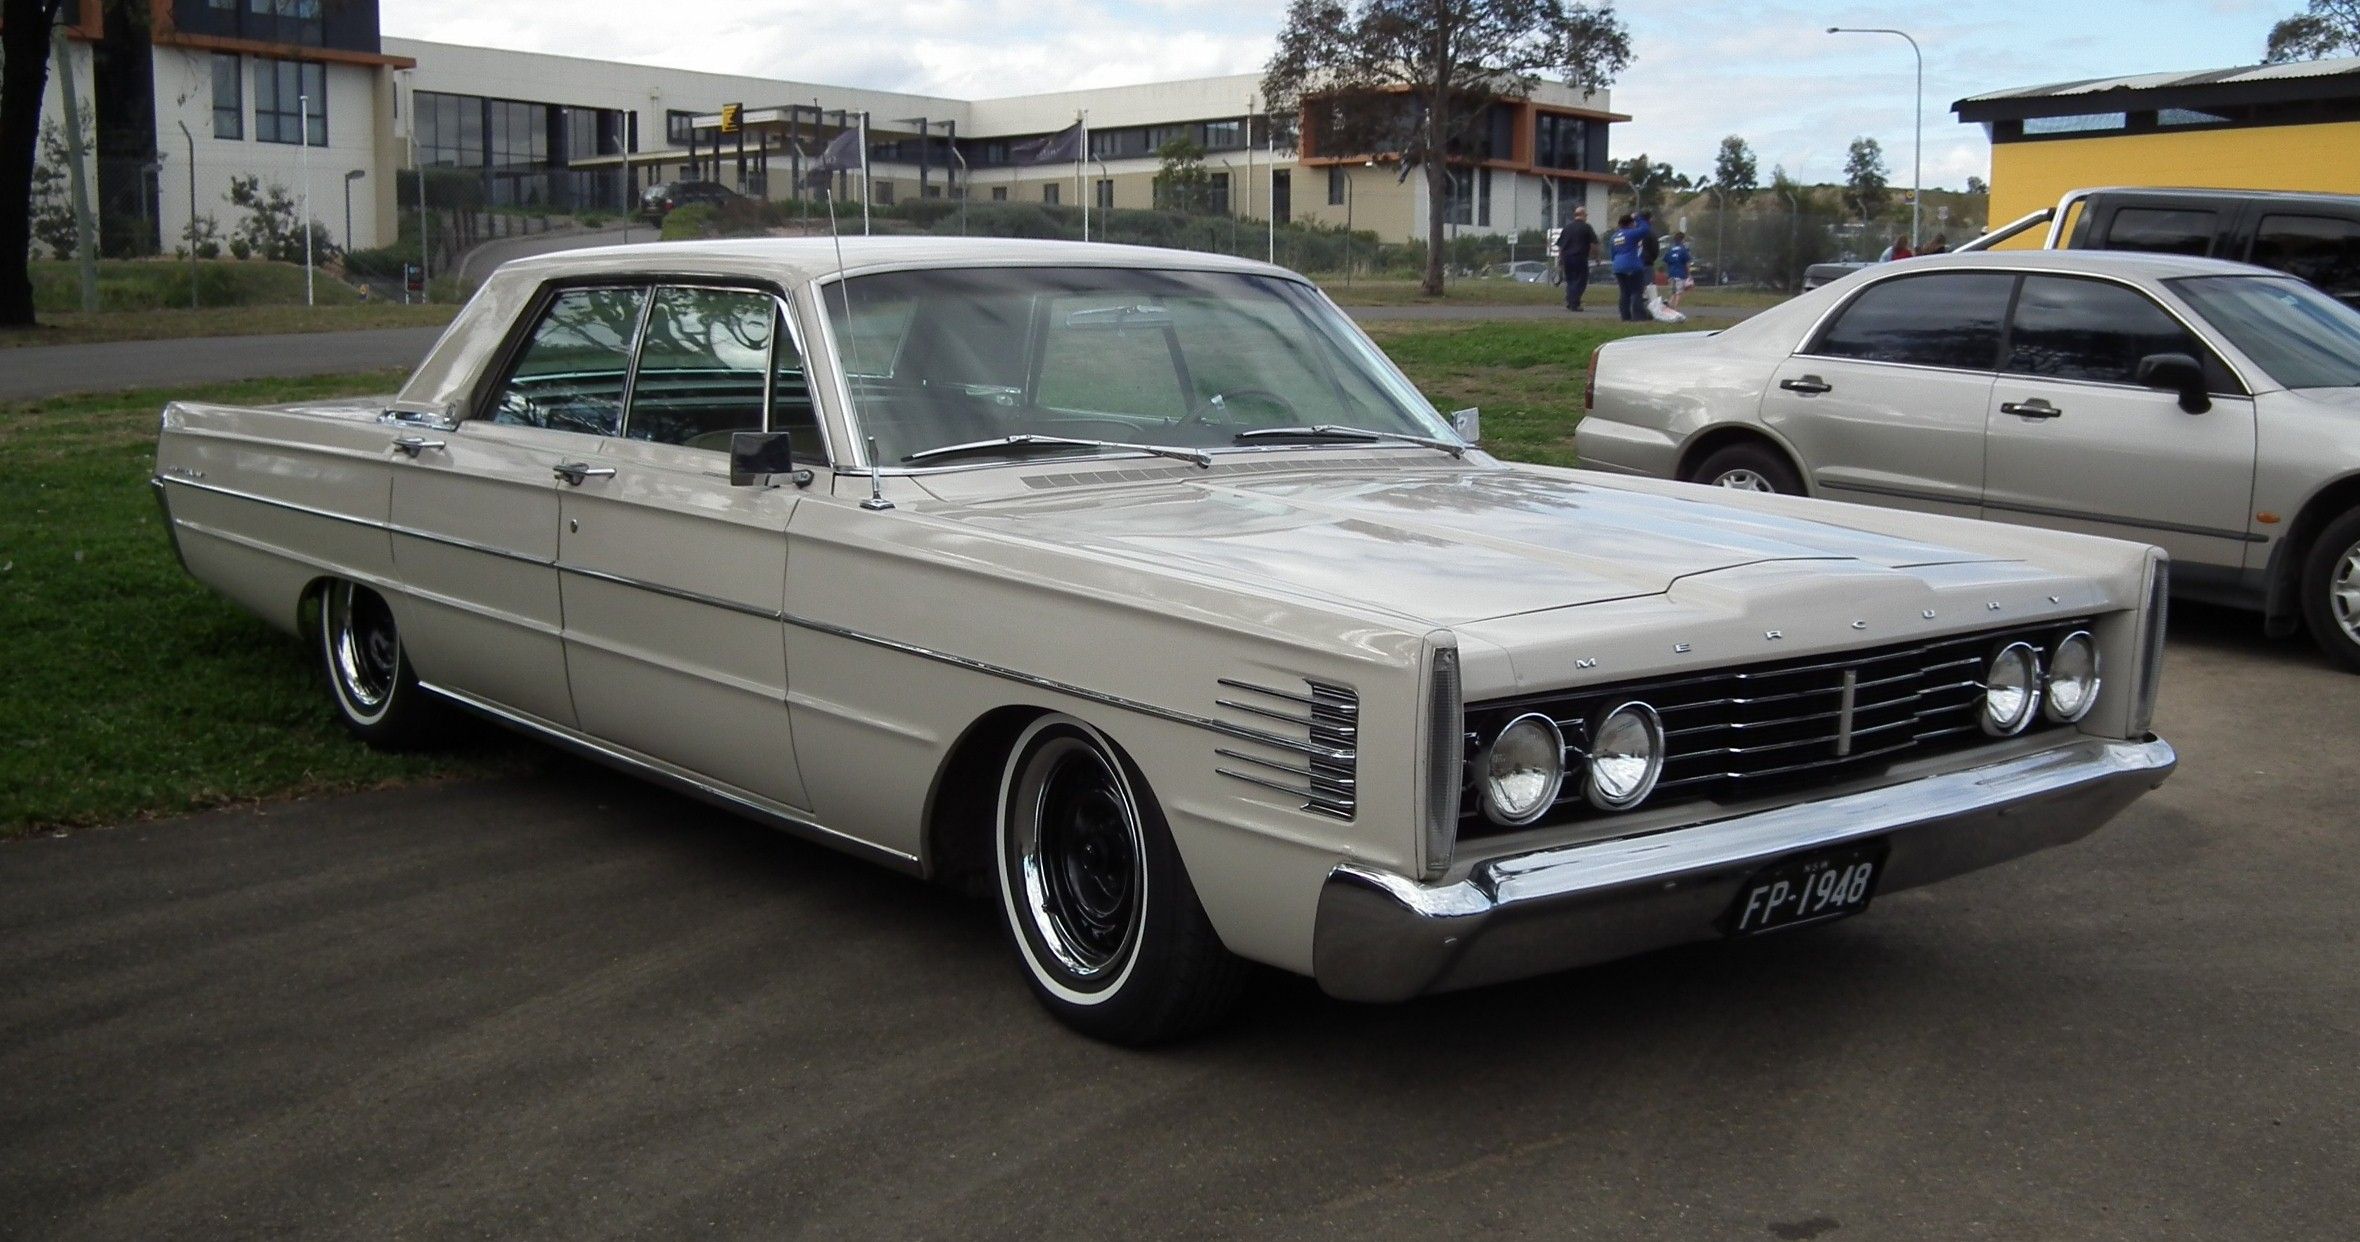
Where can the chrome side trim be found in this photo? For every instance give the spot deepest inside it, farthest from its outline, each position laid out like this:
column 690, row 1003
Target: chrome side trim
column 171, row 528
column 1905, row 493
column 288, row 505
column 657, row 588
column 681, row 781
column 453, row 541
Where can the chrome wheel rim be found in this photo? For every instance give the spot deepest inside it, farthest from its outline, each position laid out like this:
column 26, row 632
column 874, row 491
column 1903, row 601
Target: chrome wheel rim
column 1080, row 858
column 2343, row 592
column 364, row 652
column 1743, row 480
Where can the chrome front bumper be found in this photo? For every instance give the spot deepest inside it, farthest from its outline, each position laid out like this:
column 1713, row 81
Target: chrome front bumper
column 1381, row 937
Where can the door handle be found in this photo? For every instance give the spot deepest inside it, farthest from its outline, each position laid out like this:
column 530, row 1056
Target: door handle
column 414, row 445
column 575, row 471
column 1809, row 384
column 2035, row 408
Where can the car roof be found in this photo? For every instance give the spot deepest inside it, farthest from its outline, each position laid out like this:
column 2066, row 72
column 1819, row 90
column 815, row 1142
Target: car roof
column 2220, row 194
column 2130, row 263
column 796, row 260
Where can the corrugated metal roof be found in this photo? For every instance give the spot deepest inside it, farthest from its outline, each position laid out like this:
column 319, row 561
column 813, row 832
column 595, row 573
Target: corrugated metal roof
column 2341, row 66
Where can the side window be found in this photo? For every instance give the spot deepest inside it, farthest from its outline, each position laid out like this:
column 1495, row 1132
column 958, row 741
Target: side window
column 1949, row 319
column 570, row 374
column 2162, row 230
column 2067, row 328
column 702, row 367
column 2319, row 249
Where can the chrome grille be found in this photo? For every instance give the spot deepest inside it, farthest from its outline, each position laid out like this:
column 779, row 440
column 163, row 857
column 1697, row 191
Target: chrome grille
column 1316, row 758
column 1733, row 733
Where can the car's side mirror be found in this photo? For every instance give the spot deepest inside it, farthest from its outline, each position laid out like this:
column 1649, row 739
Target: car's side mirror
column 1468, row 423
column 756, row 455
column 2178, row 373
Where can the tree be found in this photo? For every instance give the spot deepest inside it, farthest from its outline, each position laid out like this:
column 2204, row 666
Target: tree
column 1649, row 180
column 1415, row 80
column 1733, row 169
column 1183, row 184
column 24, row 79
column 1977, row 185
column 2324, row 28
column 1865, row 179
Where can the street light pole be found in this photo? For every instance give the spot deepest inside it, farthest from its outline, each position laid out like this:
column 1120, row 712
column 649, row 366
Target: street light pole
column 1917, row 159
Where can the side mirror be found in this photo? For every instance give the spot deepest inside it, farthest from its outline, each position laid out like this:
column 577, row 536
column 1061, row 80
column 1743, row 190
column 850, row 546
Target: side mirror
column 1468, row 423
column 756, row 455
column 2178, row 373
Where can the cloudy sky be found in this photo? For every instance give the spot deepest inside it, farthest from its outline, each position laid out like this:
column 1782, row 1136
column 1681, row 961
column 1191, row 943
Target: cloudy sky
column 1765, row 69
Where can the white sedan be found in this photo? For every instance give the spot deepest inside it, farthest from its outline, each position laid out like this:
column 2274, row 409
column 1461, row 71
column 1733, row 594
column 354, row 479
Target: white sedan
column 2207, row 407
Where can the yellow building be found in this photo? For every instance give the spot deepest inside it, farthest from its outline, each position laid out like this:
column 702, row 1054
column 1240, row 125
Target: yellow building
column 2260, row 127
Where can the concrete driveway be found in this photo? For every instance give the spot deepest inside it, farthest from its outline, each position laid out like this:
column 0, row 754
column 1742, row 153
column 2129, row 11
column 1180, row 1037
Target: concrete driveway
column 568, row 1005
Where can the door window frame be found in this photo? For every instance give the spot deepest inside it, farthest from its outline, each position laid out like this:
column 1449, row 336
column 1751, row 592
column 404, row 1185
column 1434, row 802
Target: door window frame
column 1817, row 336
column 520, row 336
column 2242, row 388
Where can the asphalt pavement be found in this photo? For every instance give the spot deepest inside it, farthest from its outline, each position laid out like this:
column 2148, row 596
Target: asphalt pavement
column 566, row 1004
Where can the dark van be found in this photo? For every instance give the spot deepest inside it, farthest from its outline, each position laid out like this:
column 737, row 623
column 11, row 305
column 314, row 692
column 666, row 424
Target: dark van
column 2314, row 236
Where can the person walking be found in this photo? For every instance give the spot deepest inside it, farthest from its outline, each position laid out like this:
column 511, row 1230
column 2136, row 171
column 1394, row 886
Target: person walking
column 1941, row 244
column 1577, row 244
column 1676, row 261
column 1624, row 247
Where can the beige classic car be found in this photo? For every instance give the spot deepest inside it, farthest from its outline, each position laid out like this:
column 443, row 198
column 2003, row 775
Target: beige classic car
column 2208, row 407
column 1139, row 592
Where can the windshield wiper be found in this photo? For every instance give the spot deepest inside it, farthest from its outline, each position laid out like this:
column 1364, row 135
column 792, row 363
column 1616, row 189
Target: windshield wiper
column 1331, row 431
column 1196, row 457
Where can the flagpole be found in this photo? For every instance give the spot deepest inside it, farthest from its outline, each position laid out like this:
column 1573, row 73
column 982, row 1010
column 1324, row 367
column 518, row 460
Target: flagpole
column 1080, row 154
column 864, row 173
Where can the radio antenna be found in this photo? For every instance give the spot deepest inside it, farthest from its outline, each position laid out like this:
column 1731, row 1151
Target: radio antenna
column 876, row 498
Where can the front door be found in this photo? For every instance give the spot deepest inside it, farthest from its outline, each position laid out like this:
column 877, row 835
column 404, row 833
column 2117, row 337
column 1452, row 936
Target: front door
column 674, row 580
column 475, row 511
column 1885, row 405
column 2077, row 443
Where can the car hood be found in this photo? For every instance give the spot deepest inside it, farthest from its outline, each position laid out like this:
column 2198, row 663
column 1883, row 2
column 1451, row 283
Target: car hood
column 1446, row 546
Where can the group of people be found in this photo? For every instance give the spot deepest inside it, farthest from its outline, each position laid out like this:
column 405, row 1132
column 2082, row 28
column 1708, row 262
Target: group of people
column 1633, row 250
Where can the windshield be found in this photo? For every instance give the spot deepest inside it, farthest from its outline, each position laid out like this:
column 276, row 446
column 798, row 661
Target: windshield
column 2302, row 337
column 1179, row 359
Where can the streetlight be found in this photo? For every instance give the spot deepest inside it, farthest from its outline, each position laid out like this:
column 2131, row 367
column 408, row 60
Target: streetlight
column 350, row 177
column 1917, row 166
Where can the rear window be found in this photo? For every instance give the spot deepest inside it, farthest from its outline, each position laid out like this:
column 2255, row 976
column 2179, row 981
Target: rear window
column 2321, row 249
column 1951, row 319
column 2162, row 230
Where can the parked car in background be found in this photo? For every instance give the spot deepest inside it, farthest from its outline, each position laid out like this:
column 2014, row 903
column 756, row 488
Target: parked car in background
column 1137, row 590
column 1819, row 274
column 1523, row 271
column 665, row 197
column 2313, row 236
column 2210, row 408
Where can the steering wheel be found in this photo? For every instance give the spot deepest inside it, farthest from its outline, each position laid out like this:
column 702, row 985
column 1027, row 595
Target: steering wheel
column 1220, row 401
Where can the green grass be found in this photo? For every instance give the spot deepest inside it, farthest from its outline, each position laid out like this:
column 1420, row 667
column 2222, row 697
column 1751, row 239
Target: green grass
column 76, row 328
column 163, row 284
column 131, row 690
column 1525, row 375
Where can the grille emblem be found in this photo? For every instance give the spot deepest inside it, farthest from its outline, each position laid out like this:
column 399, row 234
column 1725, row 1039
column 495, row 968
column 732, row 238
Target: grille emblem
column 1773, row 635
column 1844, row 712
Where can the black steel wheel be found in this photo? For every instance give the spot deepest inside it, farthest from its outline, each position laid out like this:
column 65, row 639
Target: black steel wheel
column 1094, row 897
column 369, row 677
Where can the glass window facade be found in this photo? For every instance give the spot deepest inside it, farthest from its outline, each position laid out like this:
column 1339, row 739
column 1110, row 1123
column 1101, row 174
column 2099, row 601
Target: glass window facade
column 1559, row 141
column 281, row 91
column 229, row 96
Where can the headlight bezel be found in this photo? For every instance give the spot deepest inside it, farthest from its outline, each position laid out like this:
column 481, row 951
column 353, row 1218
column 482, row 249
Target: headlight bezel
column 2031, row 688
column 1652, row 727
column 2049, row 709
column 1486, row 782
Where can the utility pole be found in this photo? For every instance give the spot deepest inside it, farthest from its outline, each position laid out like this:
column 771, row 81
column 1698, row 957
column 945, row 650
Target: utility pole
column 85, row 229
column 1917, row 159
column 191, row 139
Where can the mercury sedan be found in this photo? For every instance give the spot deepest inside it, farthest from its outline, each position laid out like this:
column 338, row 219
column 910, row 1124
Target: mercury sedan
column 1139, row 593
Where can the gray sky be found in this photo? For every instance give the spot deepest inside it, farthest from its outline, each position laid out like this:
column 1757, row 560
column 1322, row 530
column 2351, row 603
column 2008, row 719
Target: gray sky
column 1765, row 69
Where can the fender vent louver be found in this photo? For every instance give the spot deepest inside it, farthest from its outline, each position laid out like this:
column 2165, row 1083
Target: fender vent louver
column 1316, row 757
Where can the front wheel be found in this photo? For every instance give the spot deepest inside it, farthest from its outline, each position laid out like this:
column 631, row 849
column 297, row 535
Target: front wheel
column 1749, row 468
column 369, row 677
column 1094, row 896
column 2331, row 591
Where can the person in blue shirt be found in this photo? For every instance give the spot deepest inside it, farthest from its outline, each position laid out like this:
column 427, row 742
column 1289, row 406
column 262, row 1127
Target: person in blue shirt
column 1623, row 248
column 1676, row 260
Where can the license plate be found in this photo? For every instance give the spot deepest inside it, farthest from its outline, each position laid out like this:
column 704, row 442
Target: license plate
column 1811, row 888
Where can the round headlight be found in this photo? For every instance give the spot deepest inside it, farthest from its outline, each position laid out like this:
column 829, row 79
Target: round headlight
column 2073, row 679
column 2011, row 690
column 1523, row 770
column 1626, row 758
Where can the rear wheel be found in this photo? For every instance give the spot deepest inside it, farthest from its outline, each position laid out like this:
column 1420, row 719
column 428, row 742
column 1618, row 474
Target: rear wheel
column 1748, row 467
column 2331, row 591
column 369, row 676
column 1093, row 894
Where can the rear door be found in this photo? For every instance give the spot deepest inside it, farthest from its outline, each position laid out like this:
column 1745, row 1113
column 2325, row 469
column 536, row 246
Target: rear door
column 674, row 580
column 475, row 511
column 1885, row 404
column 2077, row 443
